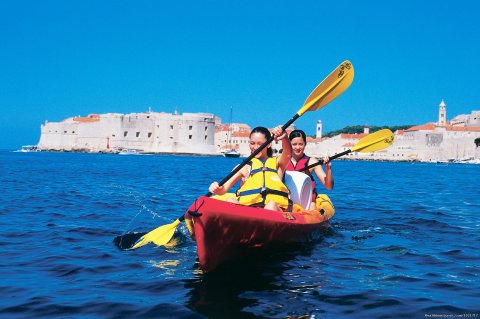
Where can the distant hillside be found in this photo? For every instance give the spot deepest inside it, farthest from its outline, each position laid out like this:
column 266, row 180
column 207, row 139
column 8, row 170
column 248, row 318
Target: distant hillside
column 359, row 129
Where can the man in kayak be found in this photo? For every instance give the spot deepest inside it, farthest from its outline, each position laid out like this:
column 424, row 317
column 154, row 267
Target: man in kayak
column 262, row 178
column 299, row 160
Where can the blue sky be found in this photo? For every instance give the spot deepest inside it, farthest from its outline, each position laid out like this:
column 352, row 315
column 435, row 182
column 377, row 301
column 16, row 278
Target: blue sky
column 262, row 58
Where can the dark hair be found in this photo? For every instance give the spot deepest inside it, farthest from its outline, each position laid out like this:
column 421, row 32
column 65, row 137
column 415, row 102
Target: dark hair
column 267, row 134
column 298, row 133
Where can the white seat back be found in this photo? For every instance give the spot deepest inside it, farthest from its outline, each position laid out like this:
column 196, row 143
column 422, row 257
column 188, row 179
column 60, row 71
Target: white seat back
column 300, row 186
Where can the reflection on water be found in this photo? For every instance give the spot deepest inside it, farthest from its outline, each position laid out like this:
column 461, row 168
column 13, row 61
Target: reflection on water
column 225, row 293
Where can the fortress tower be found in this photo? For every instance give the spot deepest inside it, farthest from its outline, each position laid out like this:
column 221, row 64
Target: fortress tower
column 442, row 114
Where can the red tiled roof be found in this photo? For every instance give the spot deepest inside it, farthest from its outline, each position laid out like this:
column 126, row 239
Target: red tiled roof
column 241, row 134
column 464, row 128
column 313, row 140
column 237, row 127
column 348, row 144
column 90, row 118
column 221, row 128
column 424, row 127
column 431, row 127
column 352, row 136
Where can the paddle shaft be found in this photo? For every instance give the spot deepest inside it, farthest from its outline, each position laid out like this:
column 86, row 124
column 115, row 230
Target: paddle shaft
column 320, row 161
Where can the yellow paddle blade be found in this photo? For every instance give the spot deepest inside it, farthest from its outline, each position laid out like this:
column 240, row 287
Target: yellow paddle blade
column 330, row 88
column 374, row 142
column 160, row 236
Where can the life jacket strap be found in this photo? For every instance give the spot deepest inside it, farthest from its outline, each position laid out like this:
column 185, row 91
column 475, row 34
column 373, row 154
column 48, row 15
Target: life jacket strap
column 263, row 169
column 263, row 191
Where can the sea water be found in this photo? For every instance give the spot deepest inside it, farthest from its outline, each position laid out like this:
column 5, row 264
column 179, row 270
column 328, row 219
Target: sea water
column 402, row 244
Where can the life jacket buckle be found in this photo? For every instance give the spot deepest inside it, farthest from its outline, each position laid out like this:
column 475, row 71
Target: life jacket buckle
column 263, row 191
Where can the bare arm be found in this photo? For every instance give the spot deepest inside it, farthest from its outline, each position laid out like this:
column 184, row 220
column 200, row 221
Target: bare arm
column 286, row 156
column 326, row 176
column 215, row 188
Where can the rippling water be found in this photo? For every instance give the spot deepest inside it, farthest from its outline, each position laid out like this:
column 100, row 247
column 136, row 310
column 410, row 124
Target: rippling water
column 403, row 243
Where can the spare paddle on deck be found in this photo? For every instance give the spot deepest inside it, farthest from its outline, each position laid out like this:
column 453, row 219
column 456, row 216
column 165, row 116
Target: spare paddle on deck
column 330, row 88
column 370, row 143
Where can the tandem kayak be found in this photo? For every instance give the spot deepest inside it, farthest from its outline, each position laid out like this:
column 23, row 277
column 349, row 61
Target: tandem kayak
column 226, row 231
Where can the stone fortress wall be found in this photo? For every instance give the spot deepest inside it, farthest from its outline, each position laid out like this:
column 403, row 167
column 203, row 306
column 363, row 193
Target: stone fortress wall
column 150, row 132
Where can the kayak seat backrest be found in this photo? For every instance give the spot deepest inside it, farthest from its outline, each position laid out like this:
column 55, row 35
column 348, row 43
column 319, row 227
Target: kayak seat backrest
column 300, row 186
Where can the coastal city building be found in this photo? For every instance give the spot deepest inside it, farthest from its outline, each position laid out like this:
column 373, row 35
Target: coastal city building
column 204, row 134
column 232, row 136
column 440, row 141
column 149, row 132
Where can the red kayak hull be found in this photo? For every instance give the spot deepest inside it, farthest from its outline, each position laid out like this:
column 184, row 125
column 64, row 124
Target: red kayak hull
column 227, row 231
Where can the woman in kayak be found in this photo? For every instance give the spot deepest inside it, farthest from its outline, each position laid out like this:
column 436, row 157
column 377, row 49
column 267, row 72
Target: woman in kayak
column 299, row 160
column 262, row 177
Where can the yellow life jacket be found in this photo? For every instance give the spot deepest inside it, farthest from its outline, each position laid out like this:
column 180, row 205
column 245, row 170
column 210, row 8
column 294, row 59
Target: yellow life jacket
column 263, row 185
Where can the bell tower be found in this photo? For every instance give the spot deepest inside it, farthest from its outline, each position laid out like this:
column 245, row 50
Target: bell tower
column 319, row 129
column 442, row 114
